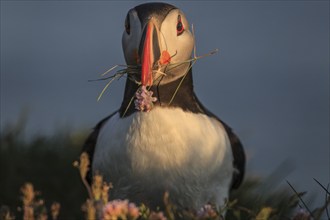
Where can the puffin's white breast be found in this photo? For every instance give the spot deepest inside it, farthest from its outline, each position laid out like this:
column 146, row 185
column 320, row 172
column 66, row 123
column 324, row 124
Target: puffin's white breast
column 166, row 149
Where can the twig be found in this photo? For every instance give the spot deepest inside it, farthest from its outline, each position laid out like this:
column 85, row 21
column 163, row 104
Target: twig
column 101, row 79
column 130, row 102
column 302, row 201
column 178, row 87
column 326, row 190
column 195, row 58
column 192, row 61
column 168, row 206
column 89, row 190
column 119, row 65
column 109, row 70
column 107, row 85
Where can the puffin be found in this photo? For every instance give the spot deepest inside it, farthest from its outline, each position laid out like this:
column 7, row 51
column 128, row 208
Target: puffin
column 162, row 139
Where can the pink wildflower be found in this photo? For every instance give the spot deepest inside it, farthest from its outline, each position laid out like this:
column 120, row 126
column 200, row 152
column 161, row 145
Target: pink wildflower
column 302, row 214
column 120, row 209
column 206, row 212
column 133, row 211
column 157, row 216
column 144, row 100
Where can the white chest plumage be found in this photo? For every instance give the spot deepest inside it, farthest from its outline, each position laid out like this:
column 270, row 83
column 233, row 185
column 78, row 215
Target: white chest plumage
column 166, row 149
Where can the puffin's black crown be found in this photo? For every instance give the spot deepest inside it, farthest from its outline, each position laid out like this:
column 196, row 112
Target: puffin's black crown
column 158, row 9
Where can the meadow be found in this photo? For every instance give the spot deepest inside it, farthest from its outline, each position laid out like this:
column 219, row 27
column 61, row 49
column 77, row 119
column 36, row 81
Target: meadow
column 41, row 180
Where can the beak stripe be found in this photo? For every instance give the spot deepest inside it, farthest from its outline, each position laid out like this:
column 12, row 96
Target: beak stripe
column 147, row 57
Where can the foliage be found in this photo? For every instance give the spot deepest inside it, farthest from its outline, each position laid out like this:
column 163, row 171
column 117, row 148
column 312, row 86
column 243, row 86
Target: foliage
column 47, row 162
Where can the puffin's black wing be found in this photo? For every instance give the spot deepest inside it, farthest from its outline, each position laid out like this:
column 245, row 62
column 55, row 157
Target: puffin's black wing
column 236, row 146
column 90, row 143
column 239, row 156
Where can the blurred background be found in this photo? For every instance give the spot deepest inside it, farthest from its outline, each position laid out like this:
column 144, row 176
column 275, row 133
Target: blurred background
column 269, row 81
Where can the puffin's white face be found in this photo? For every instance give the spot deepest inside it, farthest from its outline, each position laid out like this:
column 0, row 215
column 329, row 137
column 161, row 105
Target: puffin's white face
column 131, row 38
column 162, row 41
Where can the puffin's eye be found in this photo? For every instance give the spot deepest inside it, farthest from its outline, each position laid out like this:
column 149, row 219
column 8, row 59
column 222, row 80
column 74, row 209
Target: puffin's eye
column 127, row 25
column 179, row 26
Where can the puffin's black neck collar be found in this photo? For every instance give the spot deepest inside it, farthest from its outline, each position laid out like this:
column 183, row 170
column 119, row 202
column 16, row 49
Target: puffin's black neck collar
column 185, row 97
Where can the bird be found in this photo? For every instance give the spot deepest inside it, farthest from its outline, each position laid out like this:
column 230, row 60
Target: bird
column 162, row 138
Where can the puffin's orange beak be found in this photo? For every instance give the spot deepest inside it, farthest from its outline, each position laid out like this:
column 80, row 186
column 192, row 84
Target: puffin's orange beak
column 148, row 55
